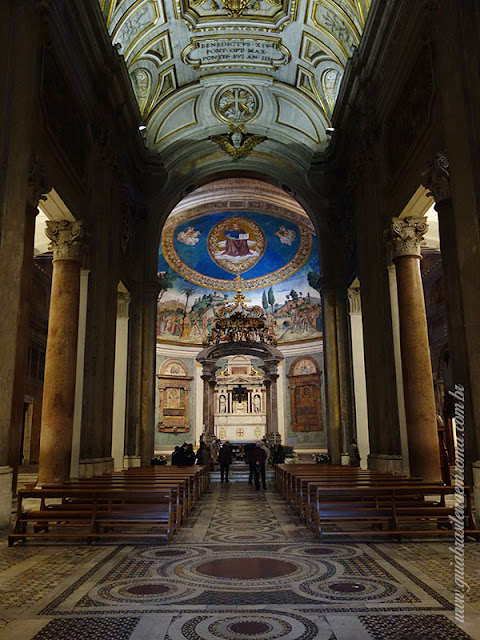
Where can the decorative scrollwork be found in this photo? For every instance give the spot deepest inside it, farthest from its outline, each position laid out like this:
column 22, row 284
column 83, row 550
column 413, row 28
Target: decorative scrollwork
column 237, row 322
column 436, row 177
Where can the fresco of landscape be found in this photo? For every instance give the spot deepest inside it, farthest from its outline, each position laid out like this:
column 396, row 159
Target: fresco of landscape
column 204, row 261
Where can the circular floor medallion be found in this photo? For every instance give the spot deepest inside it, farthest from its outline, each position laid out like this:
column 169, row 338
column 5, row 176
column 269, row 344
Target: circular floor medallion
column 246, row 568
column 147, row 589
column 347, row 587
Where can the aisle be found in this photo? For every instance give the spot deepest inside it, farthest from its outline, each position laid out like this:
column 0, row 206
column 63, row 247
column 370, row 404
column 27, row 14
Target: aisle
column 242, row 568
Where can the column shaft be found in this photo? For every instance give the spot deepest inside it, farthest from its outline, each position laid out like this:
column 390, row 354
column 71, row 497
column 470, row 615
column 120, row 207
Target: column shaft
column 417, row 372
column 59, row 382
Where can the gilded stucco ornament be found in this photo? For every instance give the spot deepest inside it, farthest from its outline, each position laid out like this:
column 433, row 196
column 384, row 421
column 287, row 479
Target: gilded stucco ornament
column 237, row 142
column 436, row 178
column 406, row 236
column 65, row 239
column 235, row 8
column 38, row 185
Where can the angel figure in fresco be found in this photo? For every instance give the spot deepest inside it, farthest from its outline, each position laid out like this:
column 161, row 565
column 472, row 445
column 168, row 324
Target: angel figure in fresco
column 190, row 236
column 286, row 236
column 237, row 143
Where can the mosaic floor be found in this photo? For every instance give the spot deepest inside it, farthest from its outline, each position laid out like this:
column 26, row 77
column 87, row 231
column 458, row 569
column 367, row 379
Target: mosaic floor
column 242, row 568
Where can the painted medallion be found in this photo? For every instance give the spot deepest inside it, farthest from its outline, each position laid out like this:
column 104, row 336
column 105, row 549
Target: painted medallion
column 236, row 244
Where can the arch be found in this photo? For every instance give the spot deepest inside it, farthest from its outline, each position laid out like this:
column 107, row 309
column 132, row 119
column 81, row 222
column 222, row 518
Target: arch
column 168, row 368
column 165, row 202
column 304, row 365
column 269, row 354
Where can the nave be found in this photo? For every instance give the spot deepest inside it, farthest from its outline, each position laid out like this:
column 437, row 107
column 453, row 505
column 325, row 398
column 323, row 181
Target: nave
column 241, row 567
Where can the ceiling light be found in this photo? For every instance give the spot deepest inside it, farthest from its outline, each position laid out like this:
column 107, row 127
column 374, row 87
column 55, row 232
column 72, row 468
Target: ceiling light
column 142, row 127
column 330, row 131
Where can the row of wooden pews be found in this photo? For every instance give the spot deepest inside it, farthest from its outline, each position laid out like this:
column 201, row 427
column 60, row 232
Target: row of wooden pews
column 340, row 501
column 147, row 503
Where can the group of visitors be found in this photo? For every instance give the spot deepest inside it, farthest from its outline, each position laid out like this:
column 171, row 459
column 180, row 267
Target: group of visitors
column 256, row 457
column 184, row 456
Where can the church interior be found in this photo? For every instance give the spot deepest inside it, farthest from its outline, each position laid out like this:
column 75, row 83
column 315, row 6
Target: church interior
column 243, row 221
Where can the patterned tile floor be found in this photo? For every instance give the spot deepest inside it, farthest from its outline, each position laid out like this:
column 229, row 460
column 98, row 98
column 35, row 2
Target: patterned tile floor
column 242, row 568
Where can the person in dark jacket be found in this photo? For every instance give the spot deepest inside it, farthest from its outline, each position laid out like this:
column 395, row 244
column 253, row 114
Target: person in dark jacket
column 225, row 460
column 258, row 458
column 203, row 454
column 279, row 455
column 189, row 455
column 176, row 454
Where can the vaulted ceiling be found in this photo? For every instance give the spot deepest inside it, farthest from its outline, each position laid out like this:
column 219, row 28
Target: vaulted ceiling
column 236, row 80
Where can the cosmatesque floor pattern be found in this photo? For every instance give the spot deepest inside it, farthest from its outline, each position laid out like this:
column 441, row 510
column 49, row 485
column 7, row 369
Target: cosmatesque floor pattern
column 243, row 568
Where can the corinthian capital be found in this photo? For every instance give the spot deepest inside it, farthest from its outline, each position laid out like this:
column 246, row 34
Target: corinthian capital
column 436, row 178
column 355, row 300
column 65, row 239
column 406, row 236
column 123, row 304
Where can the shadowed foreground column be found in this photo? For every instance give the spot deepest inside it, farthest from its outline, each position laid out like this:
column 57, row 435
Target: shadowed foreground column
column 60, row 360
column 407, row 236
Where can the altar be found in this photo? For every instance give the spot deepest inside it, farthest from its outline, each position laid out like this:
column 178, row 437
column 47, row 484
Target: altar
column 239, row 398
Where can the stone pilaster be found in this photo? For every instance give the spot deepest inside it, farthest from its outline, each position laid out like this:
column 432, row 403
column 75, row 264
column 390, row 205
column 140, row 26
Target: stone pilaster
column 120, row 380
column 148, row 380
column 406, row 241
column 209, row 383
column 60, row 360
column 19, row 52
column 358, row 366
column 330, row 355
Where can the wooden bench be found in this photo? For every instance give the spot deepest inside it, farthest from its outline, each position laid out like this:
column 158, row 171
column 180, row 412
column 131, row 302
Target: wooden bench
column 97, row 515
column 405, row 509
column 135, row 503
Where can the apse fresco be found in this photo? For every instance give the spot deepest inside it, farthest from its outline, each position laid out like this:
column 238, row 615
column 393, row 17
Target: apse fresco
column 204, row 261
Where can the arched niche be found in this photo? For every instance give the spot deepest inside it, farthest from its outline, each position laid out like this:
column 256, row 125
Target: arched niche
column 174, row 397
column 305, row 395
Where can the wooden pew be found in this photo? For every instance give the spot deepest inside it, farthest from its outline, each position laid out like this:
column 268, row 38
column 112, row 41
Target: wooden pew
column 135, row 503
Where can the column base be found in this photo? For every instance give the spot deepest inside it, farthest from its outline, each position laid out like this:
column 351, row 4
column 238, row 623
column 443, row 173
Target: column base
column 386, row 463
column 95, row 467
column 476, row 489
column 132, row 462
column 6, row 474
column 345, row 460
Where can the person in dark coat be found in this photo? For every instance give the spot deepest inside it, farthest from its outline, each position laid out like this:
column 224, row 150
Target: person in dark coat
column 225, row 460
column 179, row 457
column 258, row 458
column 189, row 455
column 203, row 454
column 176, row 456
column 354, row 454
column 279, row 455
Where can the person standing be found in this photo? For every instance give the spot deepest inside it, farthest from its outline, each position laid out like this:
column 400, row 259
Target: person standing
column 354, row 454
column 225, row 460
column 258, row 458
column 203, row 454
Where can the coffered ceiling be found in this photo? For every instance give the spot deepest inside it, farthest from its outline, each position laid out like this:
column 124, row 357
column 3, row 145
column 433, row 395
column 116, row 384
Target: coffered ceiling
column 236, row 79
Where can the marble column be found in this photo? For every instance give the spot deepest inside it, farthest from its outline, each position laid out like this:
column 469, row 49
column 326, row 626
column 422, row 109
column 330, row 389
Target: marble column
column 359, row 380
column 406, row 239
column 330, row 355
column 120, row 381
column 60, row 360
